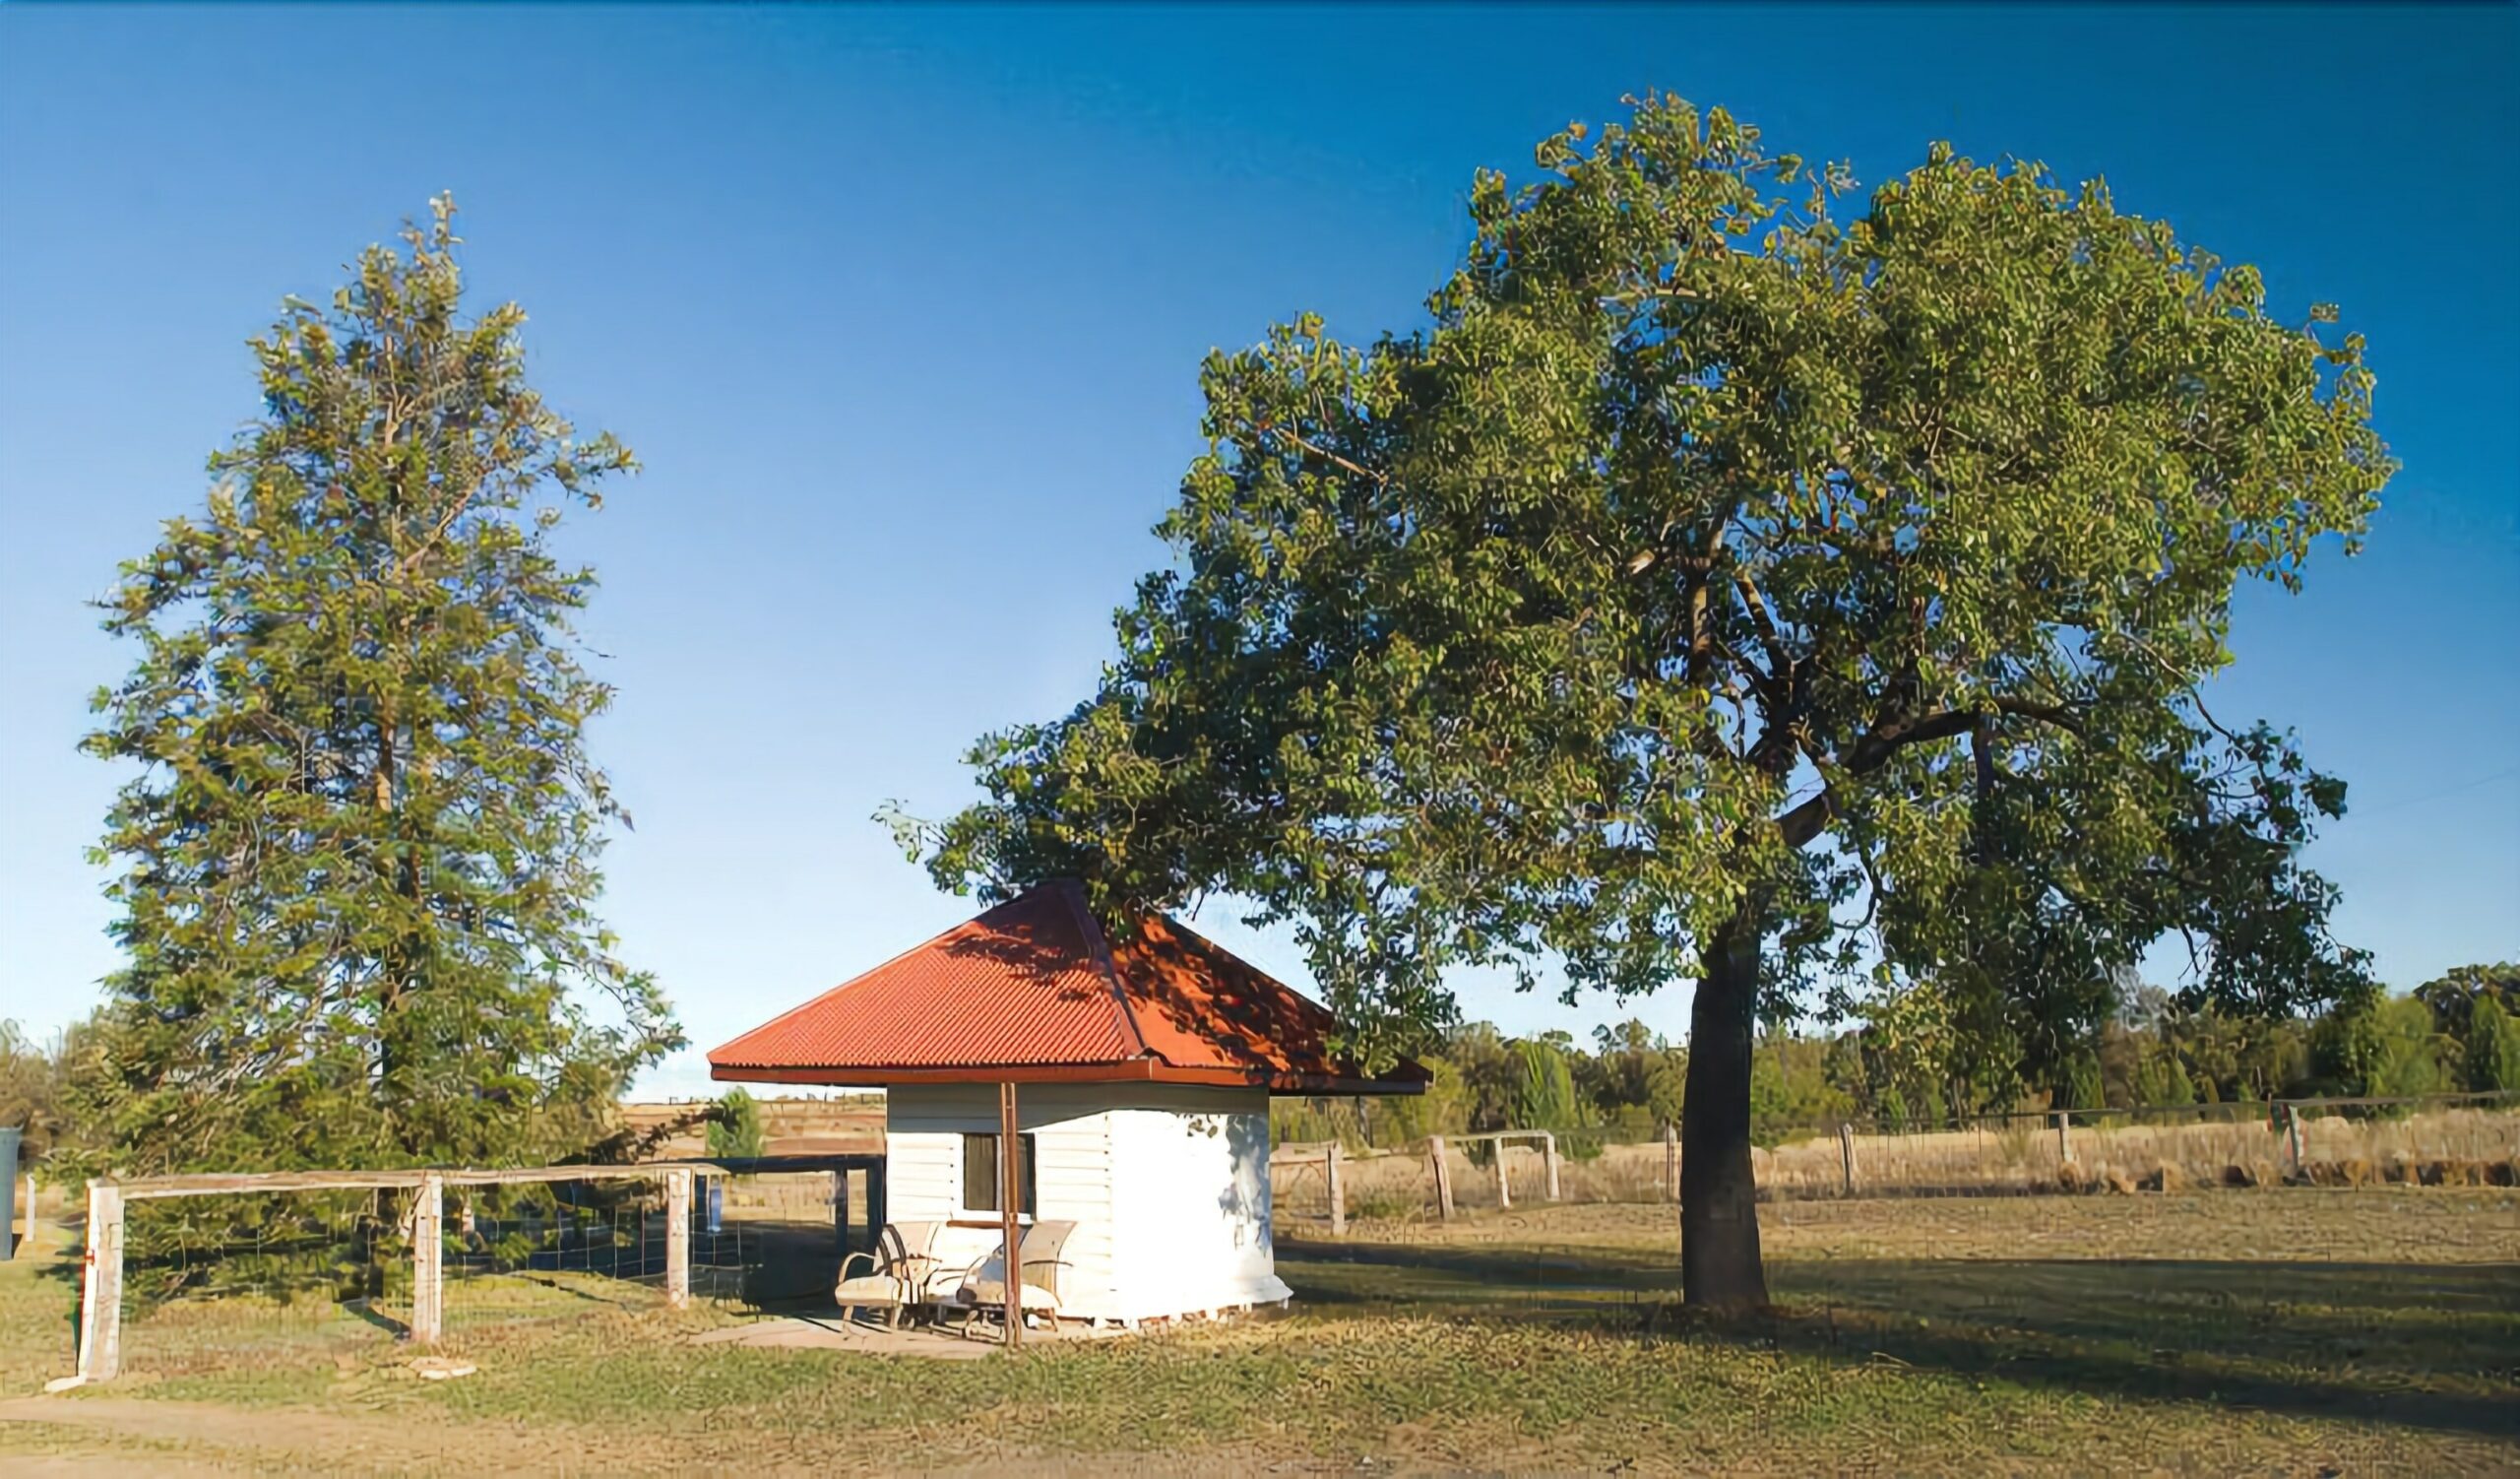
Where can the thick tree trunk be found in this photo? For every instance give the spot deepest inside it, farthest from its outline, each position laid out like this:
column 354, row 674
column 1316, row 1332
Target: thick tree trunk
column 1719, row 1200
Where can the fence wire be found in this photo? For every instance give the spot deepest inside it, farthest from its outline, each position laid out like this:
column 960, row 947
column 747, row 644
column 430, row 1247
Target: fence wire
column 220, row 1283
column 2452, row 1141
column 212, row 1284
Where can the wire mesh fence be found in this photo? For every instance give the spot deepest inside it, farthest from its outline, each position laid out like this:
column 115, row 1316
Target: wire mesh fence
column 215, row 1284
column 216, row 1274
column 2440, row 1140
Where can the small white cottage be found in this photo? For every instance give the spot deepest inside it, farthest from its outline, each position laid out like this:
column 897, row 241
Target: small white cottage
column 1136, row 1075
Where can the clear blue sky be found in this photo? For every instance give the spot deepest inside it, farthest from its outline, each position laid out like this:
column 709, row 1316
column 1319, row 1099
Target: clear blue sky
column 901, row 308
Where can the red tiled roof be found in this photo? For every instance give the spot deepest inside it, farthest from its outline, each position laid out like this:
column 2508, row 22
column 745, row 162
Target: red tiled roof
column 1031, row 990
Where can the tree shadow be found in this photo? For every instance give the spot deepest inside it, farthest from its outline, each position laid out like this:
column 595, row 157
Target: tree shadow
column 359, row 1308
column 2433, row 1346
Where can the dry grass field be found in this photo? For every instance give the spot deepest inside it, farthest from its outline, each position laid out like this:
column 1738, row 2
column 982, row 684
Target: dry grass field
column 2465, row 1145
column 788, row 1127
column 2290, row 1331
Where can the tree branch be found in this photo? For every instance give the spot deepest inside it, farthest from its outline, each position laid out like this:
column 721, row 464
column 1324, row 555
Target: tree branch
column 1324, row 453
column 1765, row 623
column 1875, row 748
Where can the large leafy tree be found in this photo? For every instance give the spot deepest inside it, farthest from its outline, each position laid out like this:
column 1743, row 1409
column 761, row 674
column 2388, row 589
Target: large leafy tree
column 358, row 858
column 1721, row 591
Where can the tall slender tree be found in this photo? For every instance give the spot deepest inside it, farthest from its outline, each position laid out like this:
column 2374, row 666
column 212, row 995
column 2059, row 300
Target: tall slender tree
column 1720, row 591
column 358, row 857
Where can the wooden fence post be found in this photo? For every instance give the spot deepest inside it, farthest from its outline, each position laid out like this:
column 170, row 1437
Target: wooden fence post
column 2064, row 1147
column 1504, row 1192
column 2293, row 1135
column 429, row 1262
column 1548, row 1163
column 100, row 1291
column 1443, row 1178
column 1846, row 1155
column 1671, row 1160
column 840, row 1211
column 1338, row 1194
column 679, row 1232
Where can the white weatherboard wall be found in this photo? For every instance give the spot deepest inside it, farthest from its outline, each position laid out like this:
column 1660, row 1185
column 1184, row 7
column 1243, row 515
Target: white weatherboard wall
column 1168, row 1187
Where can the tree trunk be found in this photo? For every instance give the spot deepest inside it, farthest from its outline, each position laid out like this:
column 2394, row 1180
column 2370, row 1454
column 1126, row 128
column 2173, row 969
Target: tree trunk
column 1719, row 1200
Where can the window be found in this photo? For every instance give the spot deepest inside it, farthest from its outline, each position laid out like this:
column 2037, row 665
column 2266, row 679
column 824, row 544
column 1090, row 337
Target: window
column 980, row 1173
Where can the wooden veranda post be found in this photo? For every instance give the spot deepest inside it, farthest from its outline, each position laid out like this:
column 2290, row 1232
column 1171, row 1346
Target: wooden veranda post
column 100, row 1286
column 678, row 1236
column 429, row 1262
column 1338, row 1194
column 1010, row 1184
column 1443, row 1178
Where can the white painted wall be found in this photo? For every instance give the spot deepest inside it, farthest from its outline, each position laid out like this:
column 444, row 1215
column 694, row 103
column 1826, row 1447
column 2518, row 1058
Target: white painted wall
column 1190, row 1171
column 1168, row 1187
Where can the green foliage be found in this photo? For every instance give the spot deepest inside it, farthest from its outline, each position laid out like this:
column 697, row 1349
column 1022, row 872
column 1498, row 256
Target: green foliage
column 1543, row 1089
column 1790, row 1090
column 360, row 853
column 734, row 1126
column 1632, row 1069
column 1444, row 1108
column 2386, row 1047
column 33, row 1089
column 2161, row 1079
column 1507, row 641
column 2081, row 1086
column 2491, row 1057
column 2456, row 993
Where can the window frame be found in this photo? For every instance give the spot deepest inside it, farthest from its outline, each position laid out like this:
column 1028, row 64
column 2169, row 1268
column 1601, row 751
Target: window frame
column 1028, row 1173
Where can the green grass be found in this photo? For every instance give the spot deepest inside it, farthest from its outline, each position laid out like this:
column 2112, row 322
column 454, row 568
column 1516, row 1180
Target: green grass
column 2273, row 1330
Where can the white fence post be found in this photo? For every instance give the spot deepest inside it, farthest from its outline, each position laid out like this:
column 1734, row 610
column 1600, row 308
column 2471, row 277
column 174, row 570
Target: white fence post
column 100, row 1286
column 1443, row 1178
column 429, row 1262
column 1338, row 1193
column 1504, row 1192
column 1549, row 1161
column 679, row 1232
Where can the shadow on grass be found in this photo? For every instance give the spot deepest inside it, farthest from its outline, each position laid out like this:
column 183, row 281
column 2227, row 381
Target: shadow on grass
column 359, row 1308
column 2433, row 1346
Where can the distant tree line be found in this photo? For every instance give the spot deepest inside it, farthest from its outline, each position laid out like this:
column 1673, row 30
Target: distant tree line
column 1900, row 1066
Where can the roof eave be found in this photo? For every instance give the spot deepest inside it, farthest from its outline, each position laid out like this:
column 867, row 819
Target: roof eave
column 1132, row 1070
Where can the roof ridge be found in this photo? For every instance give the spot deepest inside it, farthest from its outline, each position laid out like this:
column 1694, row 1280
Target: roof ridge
column 1099, row 945
column 1217, row 954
